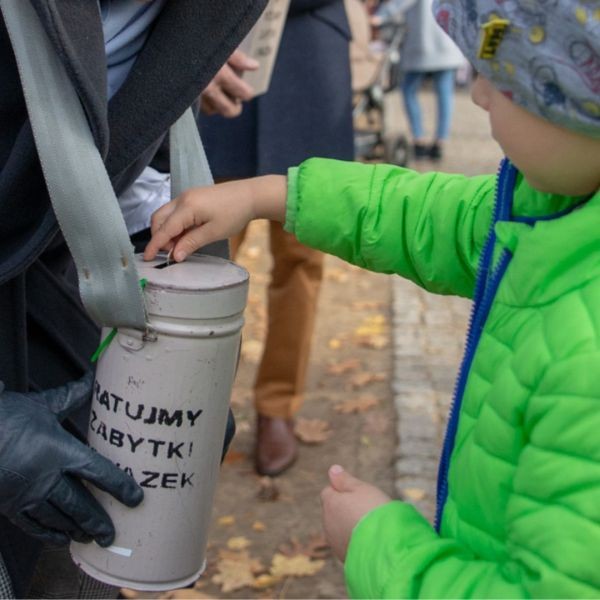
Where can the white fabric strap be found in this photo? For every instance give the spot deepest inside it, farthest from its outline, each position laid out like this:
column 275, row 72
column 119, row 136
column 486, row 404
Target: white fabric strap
column 190, row 168
column 82, row 196
column 80, row 190
column 189, row 165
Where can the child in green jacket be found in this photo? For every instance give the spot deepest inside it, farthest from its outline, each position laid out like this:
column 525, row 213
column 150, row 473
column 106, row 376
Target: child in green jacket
column 519, row 481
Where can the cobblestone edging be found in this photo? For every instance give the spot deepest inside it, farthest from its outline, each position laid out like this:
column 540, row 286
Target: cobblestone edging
column 428, row 333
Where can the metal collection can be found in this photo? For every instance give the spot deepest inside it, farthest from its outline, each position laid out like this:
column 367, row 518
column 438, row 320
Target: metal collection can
column 159, row 412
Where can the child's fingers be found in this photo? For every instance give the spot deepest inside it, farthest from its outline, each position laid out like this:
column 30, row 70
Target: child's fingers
column 341, row 480
column 161, row 215
column 173, row 226
column 193, row 239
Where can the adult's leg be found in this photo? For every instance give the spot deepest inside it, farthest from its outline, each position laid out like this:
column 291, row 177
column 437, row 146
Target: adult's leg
column 292, row 304
column 410, row 92
column 443, row 82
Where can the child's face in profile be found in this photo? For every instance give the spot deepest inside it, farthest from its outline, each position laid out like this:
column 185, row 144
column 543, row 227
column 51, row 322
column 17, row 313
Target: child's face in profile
column 551, row 158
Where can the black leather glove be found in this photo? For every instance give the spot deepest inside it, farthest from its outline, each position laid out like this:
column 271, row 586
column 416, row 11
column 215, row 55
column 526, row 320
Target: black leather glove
column 42, row 465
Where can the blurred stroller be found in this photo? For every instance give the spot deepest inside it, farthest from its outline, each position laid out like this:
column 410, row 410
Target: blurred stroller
column 375, row 73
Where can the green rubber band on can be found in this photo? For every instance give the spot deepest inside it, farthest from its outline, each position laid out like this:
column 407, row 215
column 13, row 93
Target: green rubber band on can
column 105, row 343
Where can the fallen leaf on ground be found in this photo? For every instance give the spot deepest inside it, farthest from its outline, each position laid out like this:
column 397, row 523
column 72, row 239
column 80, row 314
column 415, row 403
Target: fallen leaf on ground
column 243, row 427
column 346, row 366
column 413, row 494
column 316, row 547
column 236, row 570
column 367, row 305
column 234, row 456
column 226, row 520
column 240, row 397
column 268, row 491
column 241, row 556
column 252, row 252
column 365, row 377
column 254, row 299
column 365, row 440
column 299, row 565
column 259, row 526
column 184, row 594
column 374, row 325
column 377, row 342
column 371, row 333
column 238, row 543
column 265, row 581
column 232, row 576
column 334, row 344
column 336, row 275
column 252, row 350
column 357, row 405
column 312, row 431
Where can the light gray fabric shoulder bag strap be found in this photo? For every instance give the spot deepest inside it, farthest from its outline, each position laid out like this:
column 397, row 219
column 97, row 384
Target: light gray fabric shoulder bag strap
column 189, row 165
column 80, row 190
column 190, row 168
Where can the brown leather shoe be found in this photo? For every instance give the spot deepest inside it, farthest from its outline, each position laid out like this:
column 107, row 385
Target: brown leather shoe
column 276, row 445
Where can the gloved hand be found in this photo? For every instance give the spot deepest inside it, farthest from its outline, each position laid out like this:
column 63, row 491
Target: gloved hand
column 42, row 465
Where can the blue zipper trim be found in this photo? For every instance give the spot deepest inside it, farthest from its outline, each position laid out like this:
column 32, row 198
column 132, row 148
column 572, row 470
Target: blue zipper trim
column 556, row 215
column 486, row 287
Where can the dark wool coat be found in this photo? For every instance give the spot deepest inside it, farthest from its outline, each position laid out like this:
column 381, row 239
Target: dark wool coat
column 45, row 336
column 308, row 108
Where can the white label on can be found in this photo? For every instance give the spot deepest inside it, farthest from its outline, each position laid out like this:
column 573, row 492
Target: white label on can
column 120, row 551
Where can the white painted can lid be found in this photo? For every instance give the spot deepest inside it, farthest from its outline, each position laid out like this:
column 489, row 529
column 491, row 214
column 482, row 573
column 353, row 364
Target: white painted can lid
column 201, row 287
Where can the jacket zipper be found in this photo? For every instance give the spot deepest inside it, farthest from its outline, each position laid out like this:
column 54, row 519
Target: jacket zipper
column 485, row 291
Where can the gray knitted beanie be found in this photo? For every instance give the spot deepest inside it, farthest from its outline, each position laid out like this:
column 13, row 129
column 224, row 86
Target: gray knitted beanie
column 543, row 54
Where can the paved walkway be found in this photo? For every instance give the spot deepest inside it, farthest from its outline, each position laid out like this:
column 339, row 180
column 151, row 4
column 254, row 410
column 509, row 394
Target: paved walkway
column 428, row 330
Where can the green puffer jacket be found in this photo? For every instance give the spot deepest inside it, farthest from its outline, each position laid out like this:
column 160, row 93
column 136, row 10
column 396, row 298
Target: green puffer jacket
column 522, row 514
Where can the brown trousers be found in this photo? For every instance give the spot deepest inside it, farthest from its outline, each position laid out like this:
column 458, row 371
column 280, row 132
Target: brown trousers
column 292, row 305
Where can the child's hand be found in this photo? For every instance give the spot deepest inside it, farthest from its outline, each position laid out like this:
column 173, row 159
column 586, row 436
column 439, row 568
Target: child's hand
column 204, row 215
column 344, row 503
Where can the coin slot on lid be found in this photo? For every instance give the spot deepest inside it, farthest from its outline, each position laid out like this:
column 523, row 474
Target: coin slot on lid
column 164, row 265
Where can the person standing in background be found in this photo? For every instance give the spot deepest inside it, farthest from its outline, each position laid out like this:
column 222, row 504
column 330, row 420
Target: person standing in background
column 310, row 92
column 135, row 68
column 427, row 49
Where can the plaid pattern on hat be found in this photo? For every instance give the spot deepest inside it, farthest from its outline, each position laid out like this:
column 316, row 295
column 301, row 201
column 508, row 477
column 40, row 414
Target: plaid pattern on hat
column 543, row 54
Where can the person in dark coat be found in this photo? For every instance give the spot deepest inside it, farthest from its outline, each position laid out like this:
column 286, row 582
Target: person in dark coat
column 307, row 111
column 46, row 337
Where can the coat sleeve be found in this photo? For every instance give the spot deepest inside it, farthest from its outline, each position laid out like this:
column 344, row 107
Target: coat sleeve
column 552, row 521
column 429, row 228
